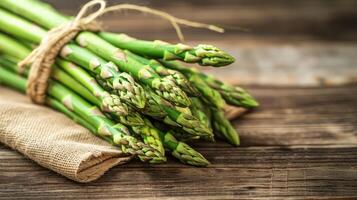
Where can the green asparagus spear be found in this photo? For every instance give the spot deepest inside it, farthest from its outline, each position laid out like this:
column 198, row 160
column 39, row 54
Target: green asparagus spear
column 223, row 127
column 177, row 77
column 124, row 85
column 205, row 55
column 210, row 96
column 10, row 79
column 187, row 122
column 117, row 134
column 53, row 103
column 152, row 138
column 12, row 47
column 132, row 120
column 107, row 103
column 162, row 86
column 111, row 103
column 184, row 152
column 162, row 110
column 148, row 134
column 232, row 95
column 177, row 132
column 47, row 17
column 180, row 150
column 152, row 108
column 58, row 75
column 200, row 111
column 61, row 108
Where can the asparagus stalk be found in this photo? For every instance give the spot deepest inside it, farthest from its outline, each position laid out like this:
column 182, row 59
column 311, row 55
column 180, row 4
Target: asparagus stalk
column 179, row 149
column 177, row 77
column 151, row 137
column 111, row 103
column 58, row 75
column 177, row 132
column 61, row 108
column 47, row 17
column 133, row 119
column 209, row 95
column 137, row 124
column 153, row 109
column 162, row 86
column 205, row 55
column 223, row 128
column 162, row 110
column 122, row 83
column 11, row 80
column 201, row 112
column 53, row 103
column 187, row 122
column 184, row 152
column 232, row 95
column 117, row 134
column 107, row 103
column 12, row 47
column 58, row 106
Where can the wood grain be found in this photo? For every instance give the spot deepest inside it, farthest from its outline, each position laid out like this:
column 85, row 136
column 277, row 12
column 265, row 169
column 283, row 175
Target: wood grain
column 283, row 63
column 317, row 19
column 301, row 144
column 295, row 42
column 246, row 173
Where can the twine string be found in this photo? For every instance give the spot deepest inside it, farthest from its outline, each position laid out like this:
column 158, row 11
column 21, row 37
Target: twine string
column 173, row 20
column 43, row 57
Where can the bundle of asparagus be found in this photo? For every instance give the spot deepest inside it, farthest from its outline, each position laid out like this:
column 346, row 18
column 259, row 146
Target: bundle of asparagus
column 130, row 92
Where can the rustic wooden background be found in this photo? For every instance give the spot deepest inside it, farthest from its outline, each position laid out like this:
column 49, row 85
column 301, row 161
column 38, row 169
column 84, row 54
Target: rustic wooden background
column 295, row 42
column 298, row 58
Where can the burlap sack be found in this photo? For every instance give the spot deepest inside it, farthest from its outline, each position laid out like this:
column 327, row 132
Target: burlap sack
column 53, row 140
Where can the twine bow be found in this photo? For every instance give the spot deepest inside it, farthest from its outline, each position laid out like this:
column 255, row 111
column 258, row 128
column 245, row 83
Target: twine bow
column 43, row 57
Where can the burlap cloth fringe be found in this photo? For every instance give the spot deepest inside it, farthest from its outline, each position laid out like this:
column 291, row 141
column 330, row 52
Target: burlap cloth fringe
column 53, row 140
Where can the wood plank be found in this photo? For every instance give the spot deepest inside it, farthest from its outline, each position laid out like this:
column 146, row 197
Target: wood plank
column 300, row 116
column 300, row 144
column 300, row 42
column 283, row 63
column 318, row 19
column 289, row 43
column 246, row 173
column 292, row 116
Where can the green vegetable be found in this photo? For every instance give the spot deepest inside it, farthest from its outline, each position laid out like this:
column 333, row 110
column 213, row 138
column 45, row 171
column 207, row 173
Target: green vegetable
column 211, row 96
column 181, row 150
column 210, row 88
column 132, row 120
column 47, row 17
column 177, row 77
column 205, row 55
column 122, row 83
column 107, row 103
column 223, row 128
column 187, row 122
column 116, row 134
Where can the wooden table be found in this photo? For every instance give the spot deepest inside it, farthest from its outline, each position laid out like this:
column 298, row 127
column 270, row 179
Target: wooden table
column 301, row 143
